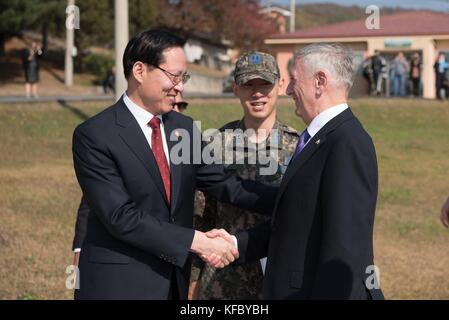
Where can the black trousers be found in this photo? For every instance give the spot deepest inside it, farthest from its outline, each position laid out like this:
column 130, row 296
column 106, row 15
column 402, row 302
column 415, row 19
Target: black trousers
column 173, row 293
column 416, row 83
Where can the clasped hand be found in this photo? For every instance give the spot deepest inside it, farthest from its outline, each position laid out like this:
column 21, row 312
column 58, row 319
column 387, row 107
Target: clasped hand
column 215, row 247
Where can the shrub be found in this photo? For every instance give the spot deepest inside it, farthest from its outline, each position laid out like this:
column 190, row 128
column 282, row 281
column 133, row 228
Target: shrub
column 97, row 64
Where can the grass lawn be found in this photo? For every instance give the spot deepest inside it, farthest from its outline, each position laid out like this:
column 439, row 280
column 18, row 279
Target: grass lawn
column 39, row 193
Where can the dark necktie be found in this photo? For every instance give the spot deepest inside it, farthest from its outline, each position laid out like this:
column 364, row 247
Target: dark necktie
column 303, row 139
column 158, row 151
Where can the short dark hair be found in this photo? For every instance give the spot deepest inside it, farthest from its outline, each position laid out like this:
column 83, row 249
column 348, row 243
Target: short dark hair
column 148, row 46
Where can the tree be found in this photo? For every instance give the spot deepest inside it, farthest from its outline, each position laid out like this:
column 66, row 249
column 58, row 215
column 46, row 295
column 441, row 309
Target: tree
column 143, row 15
column 97, row 20
column 18, row 15
column 236, row 20
column 244, row 25
column 96, row 23
column 12, row 19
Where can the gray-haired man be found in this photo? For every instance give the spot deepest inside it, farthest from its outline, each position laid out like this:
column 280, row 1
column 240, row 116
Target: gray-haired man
column 321, row 237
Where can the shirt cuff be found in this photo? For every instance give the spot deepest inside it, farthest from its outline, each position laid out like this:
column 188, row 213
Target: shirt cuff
column 76, row 250
column 236, row 245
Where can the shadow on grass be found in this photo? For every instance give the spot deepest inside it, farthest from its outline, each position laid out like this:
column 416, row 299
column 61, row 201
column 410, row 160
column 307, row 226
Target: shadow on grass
column 53, row 73
column 80, row 114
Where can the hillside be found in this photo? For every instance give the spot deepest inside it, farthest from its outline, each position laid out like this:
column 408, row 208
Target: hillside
column 312, row 15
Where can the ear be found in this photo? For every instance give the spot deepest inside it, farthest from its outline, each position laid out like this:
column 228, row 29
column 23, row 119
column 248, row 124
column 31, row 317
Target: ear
column 320, row 80
column 281, row 83
column 234, row 89
column 139, row 71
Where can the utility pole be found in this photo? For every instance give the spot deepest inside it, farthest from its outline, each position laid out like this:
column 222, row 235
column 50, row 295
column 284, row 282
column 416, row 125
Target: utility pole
column 292, row 15
column 121, row 40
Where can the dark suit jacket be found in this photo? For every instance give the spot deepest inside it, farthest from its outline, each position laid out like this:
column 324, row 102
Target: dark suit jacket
column 322, row 226
column 134, row 239
column 81, row 224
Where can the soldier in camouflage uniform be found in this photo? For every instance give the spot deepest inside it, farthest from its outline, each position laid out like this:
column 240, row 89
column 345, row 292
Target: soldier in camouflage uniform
column 257, row 84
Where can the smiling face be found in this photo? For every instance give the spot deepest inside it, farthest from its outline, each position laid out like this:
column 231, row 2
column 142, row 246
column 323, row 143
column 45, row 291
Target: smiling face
column 258, row 98
column 302, row 89
column 156, row 88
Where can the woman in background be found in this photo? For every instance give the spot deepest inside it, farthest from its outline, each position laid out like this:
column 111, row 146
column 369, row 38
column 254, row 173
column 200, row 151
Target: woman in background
column 31, row 68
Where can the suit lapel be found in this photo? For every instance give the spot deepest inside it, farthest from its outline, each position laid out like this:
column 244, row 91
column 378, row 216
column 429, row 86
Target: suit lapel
column 312, row 146
column 132, row 135
column 175, row 169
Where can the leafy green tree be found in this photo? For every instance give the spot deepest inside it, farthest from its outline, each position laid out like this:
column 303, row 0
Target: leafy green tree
column 96, row 24
column 143, row 14
column 237, row 20
column 19, row 15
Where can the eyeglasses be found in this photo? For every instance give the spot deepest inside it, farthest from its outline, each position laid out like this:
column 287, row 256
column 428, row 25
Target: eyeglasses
column 175, row 79
column 181, row 105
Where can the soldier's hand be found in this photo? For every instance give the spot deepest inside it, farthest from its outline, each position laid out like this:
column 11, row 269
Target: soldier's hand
column 193, row 290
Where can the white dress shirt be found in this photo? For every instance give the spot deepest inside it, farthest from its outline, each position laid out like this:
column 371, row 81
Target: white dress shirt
column 324, row 117
column 143, row 118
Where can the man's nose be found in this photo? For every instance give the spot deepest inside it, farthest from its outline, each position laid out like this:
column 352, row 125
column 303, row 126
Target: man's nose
column 257, row 91
column 179, row 87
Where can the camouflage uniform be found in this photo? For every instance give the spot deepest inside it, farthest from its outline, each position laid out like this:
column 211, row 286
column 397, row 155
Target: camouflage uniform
column 243, row 281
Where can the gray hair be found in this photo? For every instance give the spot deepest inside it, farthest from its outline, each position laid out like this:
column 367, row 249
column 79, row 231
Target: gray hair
column 334, row 57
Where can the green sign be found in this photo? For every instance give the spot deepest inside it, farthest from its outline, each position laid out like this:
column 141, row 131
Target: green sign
column 398, row 43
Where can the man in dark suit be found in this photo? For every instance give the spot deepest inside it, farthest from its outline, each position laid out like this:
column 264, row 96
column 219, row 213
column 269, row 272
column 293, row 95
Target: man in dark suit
column 82, row 214
column 140, row 188
column 320, row 241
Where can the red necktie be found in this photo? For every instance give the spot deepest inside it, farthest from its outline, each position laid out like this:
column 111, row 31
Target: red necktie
column 158, row 151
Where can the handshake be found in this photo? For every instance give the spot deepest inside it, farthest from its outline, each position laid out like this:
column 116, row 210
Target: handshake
column 215, row 247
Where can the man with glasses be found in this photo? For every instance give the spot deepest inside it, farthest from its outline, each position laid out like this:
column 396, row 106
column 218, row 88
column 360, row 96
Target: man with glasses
column 82, row 215
column 139, row 234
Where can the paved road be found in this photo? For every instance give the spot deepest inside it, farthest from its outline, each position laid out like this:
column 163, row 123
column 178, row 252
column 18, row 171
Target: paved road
column 23, row 99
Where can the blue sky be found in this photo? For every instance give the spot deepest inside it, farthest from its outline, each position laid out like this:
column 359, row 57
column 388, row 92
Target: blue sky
column 437, row 5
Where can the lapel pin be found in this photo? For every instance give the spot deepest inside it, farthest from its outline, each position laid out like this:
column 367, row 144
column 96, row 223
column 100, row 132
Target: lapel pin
column 318, row 141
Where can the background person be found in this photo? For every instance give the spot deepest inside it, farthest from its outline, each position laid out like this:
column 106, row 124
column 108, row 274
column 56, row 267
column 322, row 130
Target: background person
column 257, row 84
column 31, row 68
column 415, row 74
